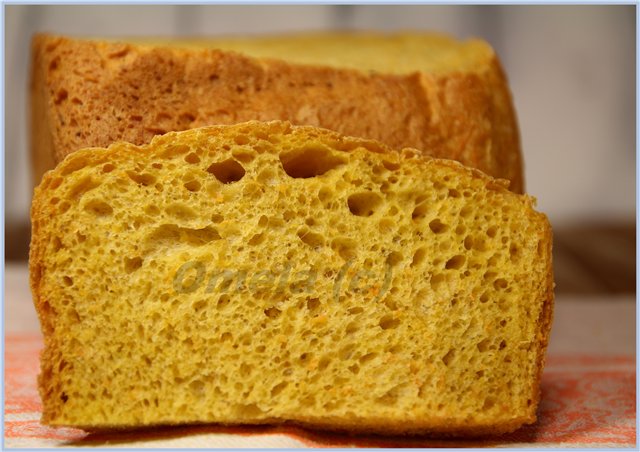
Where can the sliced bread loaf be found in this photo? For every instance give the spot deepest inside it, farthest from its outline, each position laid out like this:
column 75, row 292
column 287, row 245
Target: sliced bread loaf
column 264, row 273
column 429, row 92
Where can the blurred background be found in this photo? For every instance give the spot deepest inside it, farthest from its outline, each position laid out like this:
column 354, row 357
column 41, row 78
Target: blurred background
column 571, row 70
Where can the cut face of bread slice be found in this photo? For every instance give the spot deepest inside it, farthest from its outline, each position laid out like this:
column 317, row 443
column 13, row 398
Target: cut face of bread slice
column 449, row 98
column 399, row 54
column 263, row 273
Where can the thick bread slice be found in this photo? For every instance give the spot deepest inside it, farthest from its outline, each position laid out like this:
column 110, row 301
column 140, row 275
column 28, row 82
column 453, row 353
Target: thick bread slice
column 263, row 273
column 429, row 92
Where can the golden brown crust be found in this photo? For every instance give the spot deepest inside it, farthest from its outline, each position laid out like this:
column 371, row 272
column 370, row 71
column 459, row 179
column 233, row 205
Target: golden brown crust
column 380, row 426
column 41, row 210
column 92, row 93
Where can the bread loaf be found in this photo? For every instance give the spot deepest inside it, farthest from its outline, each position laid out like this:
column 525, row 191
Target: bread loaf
column 429, row 92
column 265, row 273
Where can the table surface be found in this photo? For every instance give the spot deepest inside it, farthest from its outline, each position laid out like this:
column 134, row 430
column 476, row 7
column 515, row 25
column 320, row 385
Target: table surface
column 588, row 389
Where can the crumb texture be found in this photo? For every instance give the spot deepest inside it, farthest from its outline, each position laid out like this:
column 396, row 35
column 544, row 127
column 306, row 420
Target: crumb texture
column 265, row 273
column 430, row 92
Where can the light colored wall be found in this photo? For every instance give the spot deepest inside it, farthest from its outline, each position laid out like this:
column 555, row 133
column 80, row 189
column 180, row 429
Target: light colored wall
column 571, row 69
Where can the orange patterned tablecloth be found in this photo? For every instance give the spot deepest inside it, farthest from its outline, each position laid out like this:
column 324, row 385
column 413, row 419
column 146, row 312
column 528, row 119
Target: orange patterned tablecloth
column 587, row 401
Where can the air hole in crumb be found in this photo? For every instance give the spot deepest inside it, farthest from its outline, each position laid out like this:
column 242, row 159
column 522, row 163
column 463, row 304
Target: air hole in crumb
column 55, row 183
column 394, row 258
column 514, row 252
column 132, row 264
column 345, row 247
column 199, row 305
column 324, row 363
column 57, row 244
column 243, row 155
column 391, row 166
column 437, row 226
column 446, row 359
column 313, row 304
column 352, row 328
column 67, row 281
column 419, row 256
column 152, row 210
column 245, row 370
column 368, row 357
column 193, row 186
column 98, row 208
column 227, row 171
column 420, row 211
column 389, row 322
column 144, row 179
column 108, row 167
column 346, row 352
column 468, row 242
column 436, row 281
column 223, row 301
column 181, row 211
column 492, row 231
column 192, row 158
column 197, row 388
column 83, row 186
column 325, row 194
column 386, row 225
column 500, row 284
column 61, row 96
column 277, row 389
column 364, row 204
column 310, row 161
column 311, row 238
column 241, row 139
column 489, row 402
column 174, row 150
column 272, row 312
column 483, row 345
column 455, row 263
column 256, row 239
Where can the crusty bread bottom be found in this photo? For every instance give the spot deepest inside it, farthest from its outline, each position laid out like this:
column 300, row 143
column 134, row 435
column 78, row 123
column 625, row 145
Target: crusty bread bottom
column 264, row 273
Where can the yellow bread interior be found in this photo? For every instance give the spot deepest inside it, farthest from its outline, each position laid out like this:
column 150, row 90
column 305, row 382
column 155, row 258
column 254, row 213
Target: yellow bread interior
column 397, row 53
column 264, row 273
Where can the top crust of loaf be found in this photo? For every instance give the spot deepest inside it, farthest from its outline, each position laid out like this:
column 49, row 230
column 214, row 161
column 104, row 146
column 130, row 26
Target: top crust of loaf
column 43, row 210
column 453, row 104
